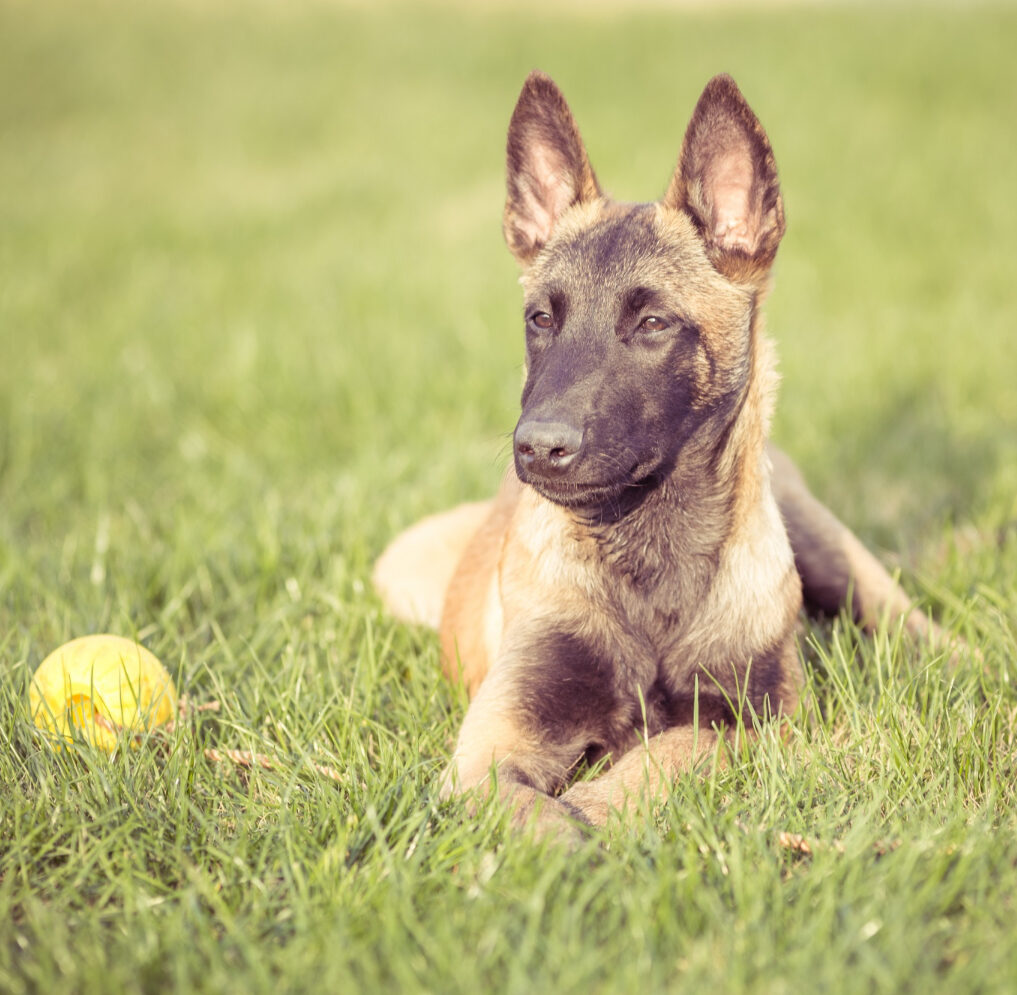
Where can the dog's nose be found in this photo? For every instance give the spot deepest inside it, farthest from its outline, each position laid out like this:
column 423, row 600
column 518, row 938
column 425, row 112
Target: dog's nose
column 547, row 448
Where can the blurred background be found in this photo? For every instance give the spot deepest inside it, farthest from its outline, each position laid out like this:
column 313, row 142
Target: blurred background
column 256, row 314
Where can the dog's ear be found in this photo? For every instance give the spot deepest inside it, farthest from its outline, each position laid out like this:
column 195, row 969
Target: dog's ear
column 548, row 169
column 727, row 180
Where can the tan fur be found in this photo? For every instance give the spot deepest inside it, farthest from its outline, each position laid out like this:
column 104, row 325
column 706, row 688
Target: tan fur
column 413, row 574
column 471, row 623
column 645, row 774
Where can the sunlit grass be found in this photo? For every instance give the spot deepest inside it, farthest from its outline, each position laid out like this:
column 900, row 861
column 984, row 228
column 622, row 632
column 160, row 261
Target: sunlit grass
column 255, row 315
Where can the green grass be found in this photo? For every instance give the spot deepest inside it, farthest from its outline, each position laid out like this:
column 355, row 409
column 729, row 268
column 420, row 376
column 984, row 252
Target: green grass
column 255, row 315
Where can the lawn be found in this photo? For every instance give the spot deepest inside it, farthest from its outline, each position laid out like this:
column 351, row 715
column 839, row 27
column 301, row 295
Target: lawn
column 256, row 315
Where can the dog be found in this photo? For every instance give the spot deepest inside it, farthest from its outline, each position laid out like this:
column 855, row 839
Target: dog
column 630, row 597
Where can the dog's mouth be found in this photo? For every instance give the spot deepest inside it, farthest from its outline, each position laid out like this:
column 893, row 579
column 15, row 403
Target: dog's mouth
column 595, row 498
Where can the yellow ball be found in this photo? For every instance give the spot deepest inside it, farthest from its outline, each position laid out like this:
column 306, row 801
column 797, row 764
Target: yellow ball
column 94, row 686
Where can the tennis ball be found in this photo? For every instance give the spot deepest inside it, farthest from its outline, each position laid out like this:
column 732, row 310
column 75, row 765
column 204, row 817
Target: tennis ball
column 95, row 686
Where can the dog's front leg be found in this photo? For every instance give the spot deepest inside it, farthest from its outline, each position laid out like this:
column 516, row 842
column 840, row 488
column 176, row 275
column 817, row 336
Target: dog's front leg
column 500, row 748
column 644, row 773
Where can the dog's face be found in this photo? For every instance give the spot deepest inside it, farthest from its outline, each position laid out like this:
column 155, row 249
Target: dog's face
column 638, row 317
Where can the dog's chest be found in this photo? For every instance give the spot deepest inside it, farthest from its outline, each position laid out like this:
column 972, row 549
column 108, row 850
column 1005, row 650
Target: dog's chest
column 645, row 596
column 646, row 627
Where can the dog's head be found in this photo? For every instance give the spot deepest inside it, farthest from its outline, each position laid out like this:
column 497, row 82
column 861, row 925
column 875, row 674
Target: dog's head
column 639, row 318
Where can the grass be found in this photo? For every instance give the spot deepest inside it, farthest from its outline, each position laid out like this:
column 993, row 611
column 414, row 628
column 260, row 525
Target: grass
column 255, row 316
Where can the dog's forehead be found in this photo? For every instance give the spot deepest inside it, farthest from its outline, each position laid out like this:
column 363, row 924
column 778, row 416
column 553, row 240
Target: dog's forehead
column 610, row 246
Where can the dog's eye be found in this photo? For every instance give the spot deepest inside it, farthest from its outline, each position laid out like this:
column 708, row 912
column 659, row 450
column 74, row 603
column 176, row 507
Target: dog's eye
column 542, row 320
column 653, row 324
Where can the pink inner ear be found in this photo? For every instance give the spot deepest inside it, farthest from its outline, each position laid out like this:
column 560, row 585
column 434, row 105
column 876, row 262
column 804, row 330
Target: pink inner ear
column 730, row 185
column 548, row 193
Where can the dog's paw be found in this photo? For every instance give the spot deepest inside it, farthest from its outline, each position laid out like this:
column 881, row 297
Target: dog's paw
column 556, row 824
column 545, row 818
column 589, row 800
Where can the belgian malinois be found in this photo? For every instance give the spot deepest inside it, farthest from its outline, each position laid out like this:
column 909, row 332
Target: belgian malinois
column 631, row 594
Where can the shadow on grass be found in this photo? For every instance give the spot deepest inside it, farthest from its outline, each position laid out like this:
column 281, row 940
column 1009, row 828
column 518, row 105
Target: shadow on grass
column 906, row 467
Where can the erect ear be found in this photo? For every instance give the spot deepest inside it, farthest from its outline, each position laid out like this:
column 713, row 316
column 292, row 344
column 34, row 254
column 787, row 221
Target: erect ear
column 727, row 180
column 548, row 170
